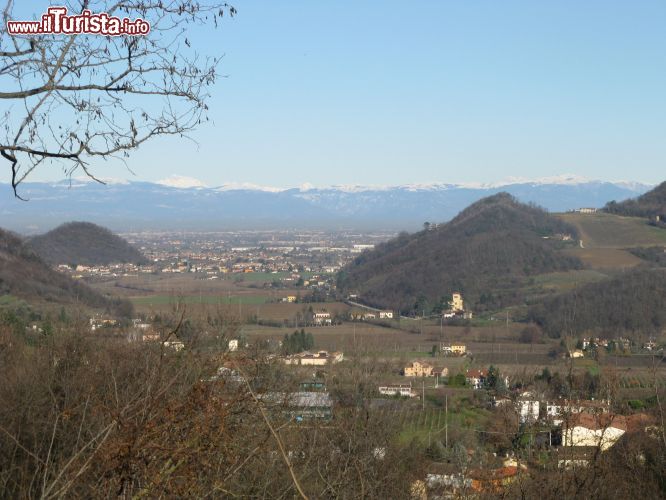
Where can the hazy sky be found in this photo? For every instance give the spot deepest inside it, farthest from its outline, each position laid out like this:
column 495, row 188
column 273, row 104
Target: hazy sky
column 384, row 92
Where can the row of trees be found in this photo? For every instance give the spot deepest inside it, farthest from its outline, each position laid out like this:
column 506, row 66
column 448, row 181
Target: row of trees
column 632, row 302
column 647, row 205
column 298, row 341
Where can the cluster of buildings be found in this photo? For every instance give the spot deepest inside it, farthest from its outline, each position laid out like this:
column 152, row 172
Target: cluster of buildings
column 294, row 255
column 582, row 427
column 319, row 358
column 471, row 484
column 311, row 401
column 371, row 315
column 589, row 345
column 585, row 210
column 108, row 271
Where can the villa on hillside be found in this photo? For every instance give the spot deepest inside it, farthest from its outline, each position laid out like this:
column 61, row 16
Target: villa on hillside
column 418, row 369
column 421, row 369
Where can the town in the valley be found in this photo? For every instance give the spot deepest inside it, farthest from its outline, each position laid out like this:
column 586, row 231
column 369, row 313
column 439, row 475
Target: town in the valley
column 453, row 379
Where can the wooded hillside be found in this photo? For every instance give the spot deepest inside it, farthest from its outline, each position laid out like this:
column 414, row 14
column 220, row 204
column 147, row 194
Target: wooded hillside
column 486, row 253
column 24, row 274
column 84, row 243
column 633, row 302
column 647, row 205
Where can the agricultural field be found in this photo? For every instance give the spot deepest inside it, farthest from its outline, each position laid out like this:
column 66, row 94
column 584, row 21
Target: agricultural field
column 642, row 380
column 602, row 230
column 264, row 316
column 605, row 258
column 605, row 237
column 430, row 422
column 154, row 293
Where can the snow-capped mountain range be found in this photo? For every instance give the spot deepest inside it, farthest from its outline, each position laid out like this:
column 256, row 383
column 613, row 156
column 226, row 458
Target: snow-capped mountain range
column 183, row 203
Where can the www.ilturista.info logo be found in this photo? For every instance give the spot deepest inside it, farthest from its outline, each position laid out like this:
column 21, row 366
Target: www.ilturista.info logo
column 56, row 21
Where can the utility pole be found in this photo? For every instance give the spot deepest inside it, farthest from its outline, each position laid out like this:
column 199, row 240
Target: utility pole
column 423, row 397
column 446, row 421
column 354, row 335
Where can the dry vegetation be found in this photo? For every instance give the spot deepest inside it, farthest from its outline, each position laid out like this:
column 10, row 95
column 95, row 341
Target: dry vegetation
column 90, row 417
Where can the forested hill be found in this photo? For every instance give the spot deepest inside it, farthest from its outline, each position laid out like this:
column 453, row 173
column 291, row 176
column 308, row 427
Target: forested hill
column 84, row 243
column 25, row 275
column 632, row 302
column 486, row 252
column 648, row 205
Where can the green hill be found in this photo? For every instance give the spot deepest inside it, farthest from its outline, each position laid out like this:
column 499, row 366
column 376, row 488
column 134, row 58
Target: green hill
column 486, row 252
column 25, row 275
column 84, row 243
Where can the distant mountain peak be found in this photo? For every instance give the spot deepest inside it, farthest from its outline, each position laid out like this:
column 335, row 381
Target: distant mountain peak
column 181, row 182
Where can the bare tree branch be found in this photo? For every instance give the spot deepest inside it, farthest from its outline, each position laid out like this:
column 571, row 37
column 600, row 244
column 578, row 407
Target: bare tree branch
column 67, row 99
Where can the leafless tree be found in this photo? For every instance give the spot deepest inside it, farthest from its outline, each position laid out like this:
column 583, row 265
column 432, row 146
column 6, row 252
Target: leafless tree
column 68, row 100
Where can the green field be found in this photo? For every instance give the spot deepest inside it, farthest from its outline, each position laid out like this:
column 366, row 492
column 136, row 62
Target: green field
column 422, row 425
column 199, row 299
column 604, row 239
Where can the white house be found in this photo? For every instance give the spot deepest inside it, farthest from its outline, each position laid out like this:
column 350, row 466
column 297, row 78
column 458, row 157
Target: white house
column 320, row 358
column 322, row 318
column 404, row 390
column 476, row 378
column 557, row 411
column 386, row 314
column 584, row 429
column 527, row 407
column 176, row 345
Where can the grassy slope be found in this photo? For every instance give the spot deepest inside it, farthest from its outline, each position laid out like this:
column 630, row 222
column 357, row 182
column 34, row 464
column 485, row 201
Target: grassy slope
column 605, row 238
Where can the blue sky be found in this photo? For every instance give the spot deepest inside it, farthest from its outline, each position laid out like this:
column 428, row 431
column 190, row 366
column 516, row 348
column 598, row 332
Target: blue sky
column 384, row 92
